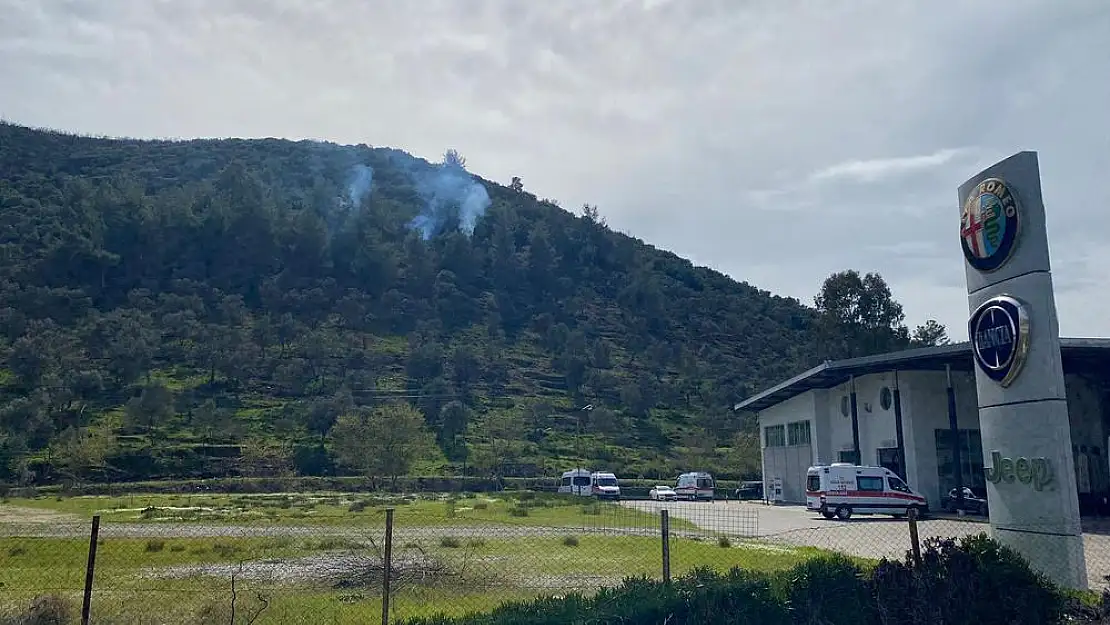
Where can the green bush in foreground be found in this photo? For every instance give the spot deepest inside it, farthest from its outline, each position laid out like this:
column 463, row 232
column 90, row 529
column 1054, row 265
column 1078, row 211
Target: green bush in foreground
column 973, row 581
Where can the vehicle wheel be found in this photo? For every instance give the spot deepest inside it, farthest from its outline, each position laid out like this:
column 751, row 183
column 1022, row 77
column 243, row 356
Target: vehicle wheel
column 919, row 511
column 828, row 515
column 843, row 513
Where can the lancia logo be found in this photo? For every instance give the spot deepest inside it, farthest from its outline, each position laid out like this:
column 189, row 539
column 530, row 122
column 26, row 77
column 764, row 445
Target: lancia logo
column 999, row 331
column 989, row 225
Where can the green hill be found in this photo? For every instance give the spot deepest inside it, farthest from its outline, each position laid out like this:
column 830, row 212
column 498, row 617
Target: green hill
column 211, row 307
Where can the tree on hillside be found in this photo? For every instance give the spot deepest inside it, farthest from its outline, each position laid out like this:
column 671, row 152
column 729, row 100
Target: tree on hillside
column 746, row 457
column 929, row 334
column 79, row 451
column 150, row 409
column 502, row 435
column 454, row 418
column 384, row 442
column 237, row 274
column 858, row 316
column 265, row 457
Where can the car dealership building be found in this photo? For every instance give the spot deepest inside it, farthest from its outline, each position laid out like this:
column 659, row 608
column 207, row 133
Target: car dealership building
column 893, row 410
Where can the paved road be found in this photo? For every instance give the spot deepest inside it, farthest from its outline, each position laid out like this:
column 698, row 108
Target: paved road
column 863, row 536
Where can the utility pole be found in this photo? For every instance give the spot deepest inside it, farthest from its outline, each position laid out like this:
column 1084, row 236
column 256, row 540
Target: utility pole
column 578, row 429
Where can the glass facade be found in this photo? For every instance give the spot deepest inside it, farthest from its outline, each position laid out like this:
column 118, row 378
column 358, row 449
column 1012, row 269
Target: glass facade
column 971, row 460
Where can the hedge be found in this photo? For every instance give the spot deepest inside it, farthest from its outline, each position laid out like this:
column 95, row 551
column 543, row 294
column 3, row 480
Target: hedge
column 973, row 581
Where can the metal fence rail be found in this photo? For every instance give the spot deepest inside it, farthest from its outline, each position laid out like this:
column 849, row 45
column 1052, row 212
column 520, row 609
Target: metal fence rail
column 346, row 558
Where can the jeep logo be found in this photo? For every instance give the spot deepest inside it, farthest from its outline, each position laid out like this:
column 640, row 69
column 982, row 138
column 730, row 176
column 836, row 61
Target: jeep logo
column 1034, row 471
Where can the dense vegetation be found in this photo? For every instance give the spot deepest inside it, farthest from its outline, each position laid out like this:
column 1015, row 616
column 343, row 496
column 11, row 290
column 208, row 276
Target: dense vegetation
column 971, row 582
column 233, row 307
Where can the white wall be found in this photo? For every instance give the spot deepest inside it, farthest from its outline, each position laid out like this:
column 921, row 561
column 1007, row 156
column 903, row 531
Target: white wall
column 924, row 410
column 876, row 426
column 797, row 408
column 789, row 462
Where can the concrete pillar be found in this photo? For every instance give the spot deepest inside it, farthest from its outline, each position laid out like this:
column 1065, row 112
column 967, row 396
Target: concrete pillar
column 899, row 430
column 1015, row 338
column 954, row 437
column 855, row 423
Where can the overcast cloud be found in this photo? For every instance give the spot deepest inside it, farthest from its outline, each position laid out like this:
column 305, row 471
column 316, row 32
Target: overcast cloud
column 777, row 141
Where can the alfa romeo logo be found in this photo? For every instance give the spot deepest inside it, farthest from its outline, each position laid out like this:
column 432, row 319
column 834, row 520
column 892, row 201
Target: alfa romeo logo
column 989, row 225
column 999, row 331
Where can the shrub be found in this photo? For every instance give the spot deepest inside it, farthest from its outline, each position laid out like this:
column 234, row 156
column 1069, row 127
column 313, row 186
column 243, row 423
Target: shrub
column 358, row 506
column 830, row 590
column 517, row 511
column 570, row 541
column 154, row 546
column 973, row 581
column 481, row 505
column 47, row 610
column 450, row 542
column 723, row 542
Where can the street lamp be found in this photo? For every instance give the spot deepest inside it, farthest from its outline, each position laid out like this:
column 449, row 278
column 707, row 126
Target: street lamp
column 578, row 430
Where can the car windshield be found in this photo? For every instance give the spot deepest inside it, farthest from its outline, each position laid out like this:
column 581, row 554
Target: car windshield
column 607, row 481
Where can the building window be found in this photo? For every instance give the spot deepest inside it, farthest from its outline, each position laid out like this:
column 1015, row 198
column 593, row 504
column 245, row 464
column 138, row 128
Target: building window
column 774, row 436
column 870, row 484
column 797, row 433
column 886, row 398
column 970, row 457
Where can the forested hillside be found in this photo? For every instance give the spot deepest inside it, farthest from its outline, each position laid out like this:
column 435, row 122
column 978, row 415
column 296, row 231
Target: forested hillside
column 215, row 307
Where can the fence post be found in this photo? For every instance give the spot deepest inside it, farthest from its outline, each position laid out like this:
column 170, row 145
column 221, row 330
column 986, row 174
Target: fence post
column 665, row 526
column 915, row 542
column 387, row 564
column 90, row 567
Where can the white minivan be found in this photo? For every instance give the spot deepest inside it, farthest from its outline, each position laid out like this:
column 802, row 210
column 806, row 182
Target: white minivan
column 695, row 486
column 843, row 489
column 604, row 486
column 576, row 482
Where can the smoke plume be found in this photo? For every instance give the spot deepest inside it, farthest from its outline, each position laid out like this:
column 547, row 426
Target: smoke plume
column 449, row 193
column 359, row 186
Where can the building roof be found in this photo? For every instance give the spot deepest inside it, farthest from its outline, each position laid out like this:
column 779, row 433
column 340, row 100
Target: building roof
column 1079, row 354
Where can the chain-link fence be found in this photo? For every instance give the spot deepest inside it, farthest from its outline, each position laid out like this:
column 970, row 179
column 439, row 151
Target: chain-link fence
column 321, row 558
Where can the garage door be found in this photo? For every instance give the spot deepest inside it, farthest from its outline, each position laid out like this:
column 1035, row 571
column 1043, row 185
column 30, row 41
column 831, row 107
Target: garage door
column 790, row 464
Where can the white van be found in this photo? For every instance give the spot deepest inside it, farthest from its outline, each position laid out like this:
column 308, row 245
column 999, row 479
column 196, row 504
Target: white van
column 695, row 486
column 842, row 489
column 576, row 482
column 604, row 486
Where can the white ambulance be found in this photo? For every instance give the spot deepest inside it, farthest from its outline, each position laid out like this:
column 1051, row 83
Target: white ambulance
column 842, row 489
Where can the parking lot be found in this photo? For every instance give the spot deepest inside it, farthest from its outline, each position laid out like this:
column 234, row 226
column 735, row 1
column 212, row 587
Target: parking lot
column 863, row 536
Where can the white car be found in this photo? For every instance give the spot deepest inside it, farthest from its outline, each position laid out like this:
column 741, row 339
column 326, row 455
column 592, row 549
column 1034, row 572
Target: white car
column 662, row 493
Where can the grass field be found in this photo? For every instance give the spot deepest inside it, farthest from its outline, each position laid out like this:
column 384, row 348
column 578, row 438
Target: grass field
column 317, row 558
column 341, row 509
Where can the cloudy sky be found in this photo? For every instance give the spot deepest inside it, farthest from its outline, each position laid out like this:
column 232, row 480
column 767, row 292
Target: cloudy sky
column 776, row 140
